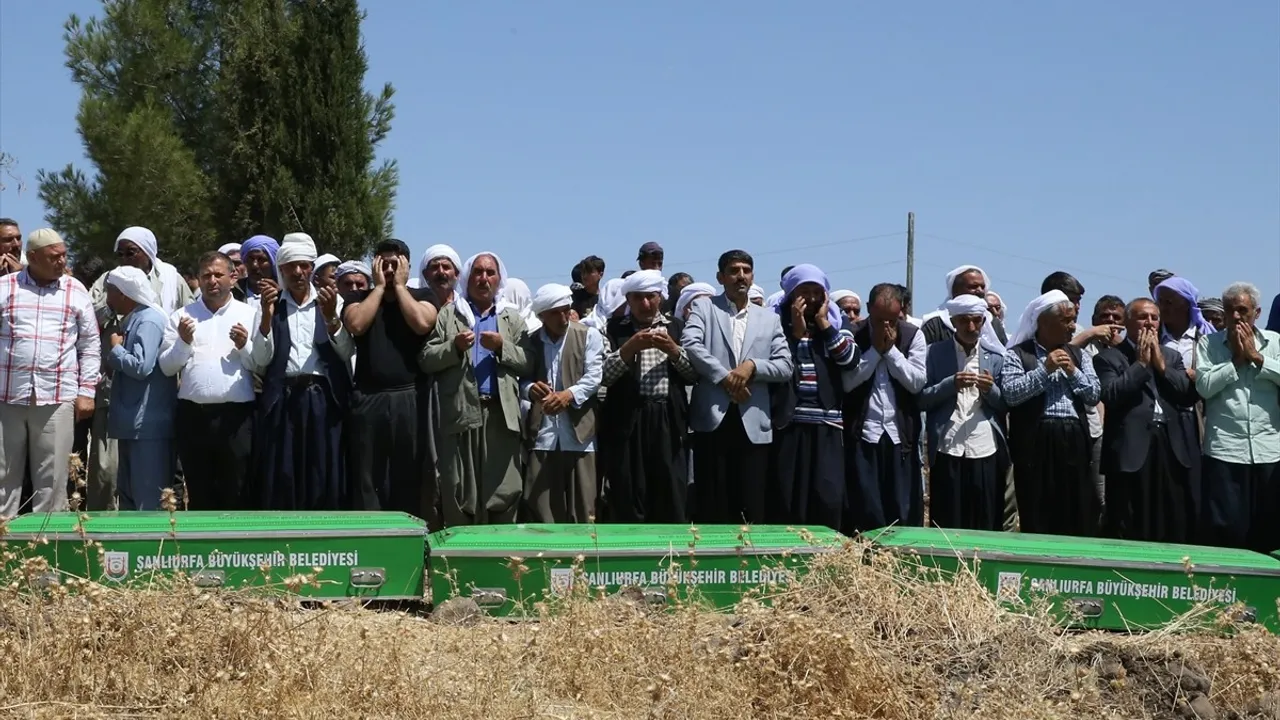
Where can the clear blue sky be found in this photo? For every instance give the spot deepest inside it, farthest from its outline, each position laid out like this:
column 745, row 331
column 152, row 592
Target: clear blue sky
column 1104, row 138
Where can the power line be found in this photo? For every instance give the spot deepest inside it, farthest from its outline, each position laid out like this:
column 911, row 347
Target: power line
column 1038, row 261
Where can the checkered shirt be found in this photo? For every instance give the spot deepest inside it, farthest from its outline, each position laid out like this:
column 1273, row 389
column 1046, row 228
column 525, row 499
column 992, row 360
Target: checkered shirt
column 650, row 367
column 50, row 352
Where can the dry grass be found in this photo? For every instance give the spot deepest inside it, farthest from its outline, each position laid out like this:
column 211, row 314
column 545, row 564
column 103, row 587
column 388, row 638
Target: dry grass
column 853, row 640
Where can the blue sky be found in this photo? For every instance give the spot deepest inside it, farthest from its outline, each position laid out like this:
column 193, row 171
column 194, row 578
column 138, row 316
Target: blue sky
column 1104, row 138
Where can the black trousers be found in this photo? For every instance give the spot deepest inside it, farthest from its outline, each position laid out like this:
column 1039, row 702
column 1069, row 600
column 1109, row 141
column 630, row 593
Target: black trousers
column 1155, row 503
column 1242, row 504
column 214, row 443
column 729, row 474
column 388, row 456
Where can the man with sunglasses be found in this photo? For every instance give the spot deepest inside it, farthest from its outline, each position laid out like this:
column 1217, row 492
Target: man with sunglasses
column 135, row 247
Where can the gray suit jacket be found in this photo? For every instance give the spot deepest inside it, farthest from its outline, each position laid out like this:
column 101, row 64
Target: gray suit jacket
column 938, row 398
column 708, row 340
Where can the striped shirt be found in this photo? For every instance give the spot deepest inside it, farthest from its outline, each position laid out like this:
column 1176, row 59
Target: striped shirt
column 840, row 347
column 49, row 345
column 1058, row 390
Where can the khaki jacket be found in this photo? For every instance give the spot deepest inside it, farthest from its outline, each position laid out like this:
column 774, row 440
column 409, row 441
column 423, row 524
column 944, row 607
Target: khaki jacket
column 455, row 375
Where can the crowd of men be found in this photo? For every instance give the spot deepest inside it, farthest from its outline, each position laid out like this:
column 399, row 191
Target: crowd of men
column 274, row 377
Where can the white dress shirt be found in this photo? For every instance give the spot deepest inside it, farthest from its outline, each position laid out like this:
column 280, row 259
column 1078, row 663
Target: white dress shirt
column 213, row 370
column 908, row 371
column 556, row 432
column 302, row 329
column 739, row 320
column 970, row 433
column 1184, row 346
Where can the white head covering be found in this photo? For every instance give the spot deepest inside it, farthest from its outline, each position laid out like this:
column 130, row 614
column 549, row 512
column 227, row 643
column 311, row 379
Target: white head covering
column 1030, row 318
column 327, row 259
column 229, row 248
column 839, row 295
column 550, row 297
column 44, row 237
column 645, row 281
column 134, row 284
column 297, row 247
column 517, row 293
column 439, row 251
column 973, row 305
column 462, row 307
column 756, row 292
column 941, row 312
column 692, row 292
column 170, row 278
column 353, row 266
column 610, row 299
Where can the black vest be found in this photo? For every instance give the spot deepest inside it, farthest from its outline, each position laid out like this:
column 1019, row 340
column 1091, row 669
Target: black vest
column 620, row 409
column 331, row 365
column 1024, row 418
column 904, row 401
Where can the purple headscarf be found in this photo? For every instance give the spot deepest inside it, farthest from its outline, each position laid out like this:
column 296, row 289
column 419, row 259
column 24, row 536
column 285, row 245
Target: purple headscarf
column 1188, row 292
column 799, row 275
column 264, row 243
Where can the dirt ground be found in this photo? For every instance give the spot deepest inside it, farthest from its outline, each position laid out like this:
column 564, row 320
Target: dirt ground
column 853, row 640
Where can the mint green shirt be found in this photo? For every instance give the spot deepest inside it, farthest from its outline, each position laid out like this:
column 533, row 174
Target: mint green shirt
column 1241, row 404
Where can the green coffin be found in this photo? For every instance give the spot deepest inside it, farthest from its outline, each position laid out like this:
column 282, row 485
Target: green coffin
column 1099, row 583
column 374, row 555
column 508, row 568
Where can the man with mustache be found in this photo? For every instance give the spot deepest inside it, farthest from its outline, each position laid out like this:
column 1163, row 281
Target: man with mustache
column 10, row 246
column 259, row 255
column 738, row 350
column 477, row 353
column 439, row 271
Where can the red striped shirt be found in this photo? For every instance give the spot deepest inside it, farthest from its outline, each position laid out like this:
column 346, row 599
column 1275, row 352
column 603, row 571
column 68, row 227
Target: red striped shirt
column 50, row 351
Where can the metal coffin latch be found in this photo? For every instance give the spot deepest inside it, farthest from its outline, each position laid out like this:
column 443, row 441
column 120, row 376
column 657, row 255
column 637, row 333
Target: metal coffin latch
column 368, row 577
column 1087, row 607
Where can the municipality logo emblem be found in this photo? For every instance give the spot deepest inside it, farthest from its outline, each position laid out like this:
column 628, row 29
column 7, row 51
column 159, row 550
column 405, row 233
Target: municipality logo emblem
column 116, row 565
column 561, row 581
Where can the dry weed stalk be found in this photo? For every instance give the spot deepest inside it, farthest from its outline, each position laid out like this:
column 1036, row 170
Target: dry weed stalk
column 852, row 640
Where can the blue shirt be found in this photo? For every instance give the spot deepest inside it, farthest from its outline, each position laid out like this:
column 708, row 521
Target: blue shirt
column 143, row 398
column 1058, row 390
column 485, row 364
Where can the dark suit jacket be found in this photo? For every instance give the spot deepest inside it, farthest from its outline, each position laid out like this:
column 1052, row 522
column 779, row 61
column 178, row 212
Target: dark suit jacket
column 1128, row 392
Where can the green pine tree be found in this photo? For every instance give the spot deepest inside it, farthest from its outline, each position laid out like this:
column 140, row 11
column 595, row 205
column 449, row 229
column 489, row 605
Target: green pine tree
column 212, row 120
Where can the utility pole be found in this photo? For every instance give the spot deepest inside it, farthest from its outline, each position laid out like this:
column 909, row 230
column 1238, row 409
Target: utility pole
column 911, row 253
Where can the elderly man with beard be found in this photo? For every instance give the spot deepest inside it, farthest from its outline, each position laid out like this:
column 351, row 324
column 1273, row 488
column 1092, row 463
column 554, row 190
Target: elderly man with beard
column 739, row 351
column 259, row 253
column 143, row 397
column 440, row 268
column 51, row 348
column 304, row 354
column 207, row 348
column 968, row 454
column 477, row 354
column 135, row 247
column 389, row 429
column 10, row 247
column 1049, row 384
column 1239, row 379
column 644, row 418
column 1146, row 455
column 568, row 363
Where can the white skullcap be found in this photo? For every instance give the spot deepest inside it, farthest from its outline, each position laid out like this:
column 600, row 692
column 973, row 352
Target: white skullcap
column 229, row 248
column 756, row 292
column 142, row 237
column 692, row 292
column 327, row 259
column 44, row 237
column 353, row 266
column 839, row 295
column 1030, row 319
column 550, row 297
column 645, row 281
column 965, row 305
column 134, row 284
column 951, row 277
column 297, row 247
column 440, row 251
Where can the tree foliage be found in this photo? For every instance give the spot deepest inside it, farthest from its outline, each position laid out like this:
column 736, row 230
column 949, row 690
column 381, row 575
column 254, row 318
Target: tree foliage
column 212, row 120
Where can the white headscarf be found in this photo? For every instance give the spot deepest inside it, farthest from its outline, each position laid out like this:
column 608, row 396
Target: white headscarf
column 610, row 299
column 517, row 293
column 462, row 306
column 550, row 297
column 755, row 293
column 353, row 266
column 439, row 251
column 1030, row 318
column 839, row 295
column 941, row 312
column 229, row 248
column 134, row 284
column 645, row 281
column 170, row 278
column 692, row 292
column 327, row 259
column 297, row 247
